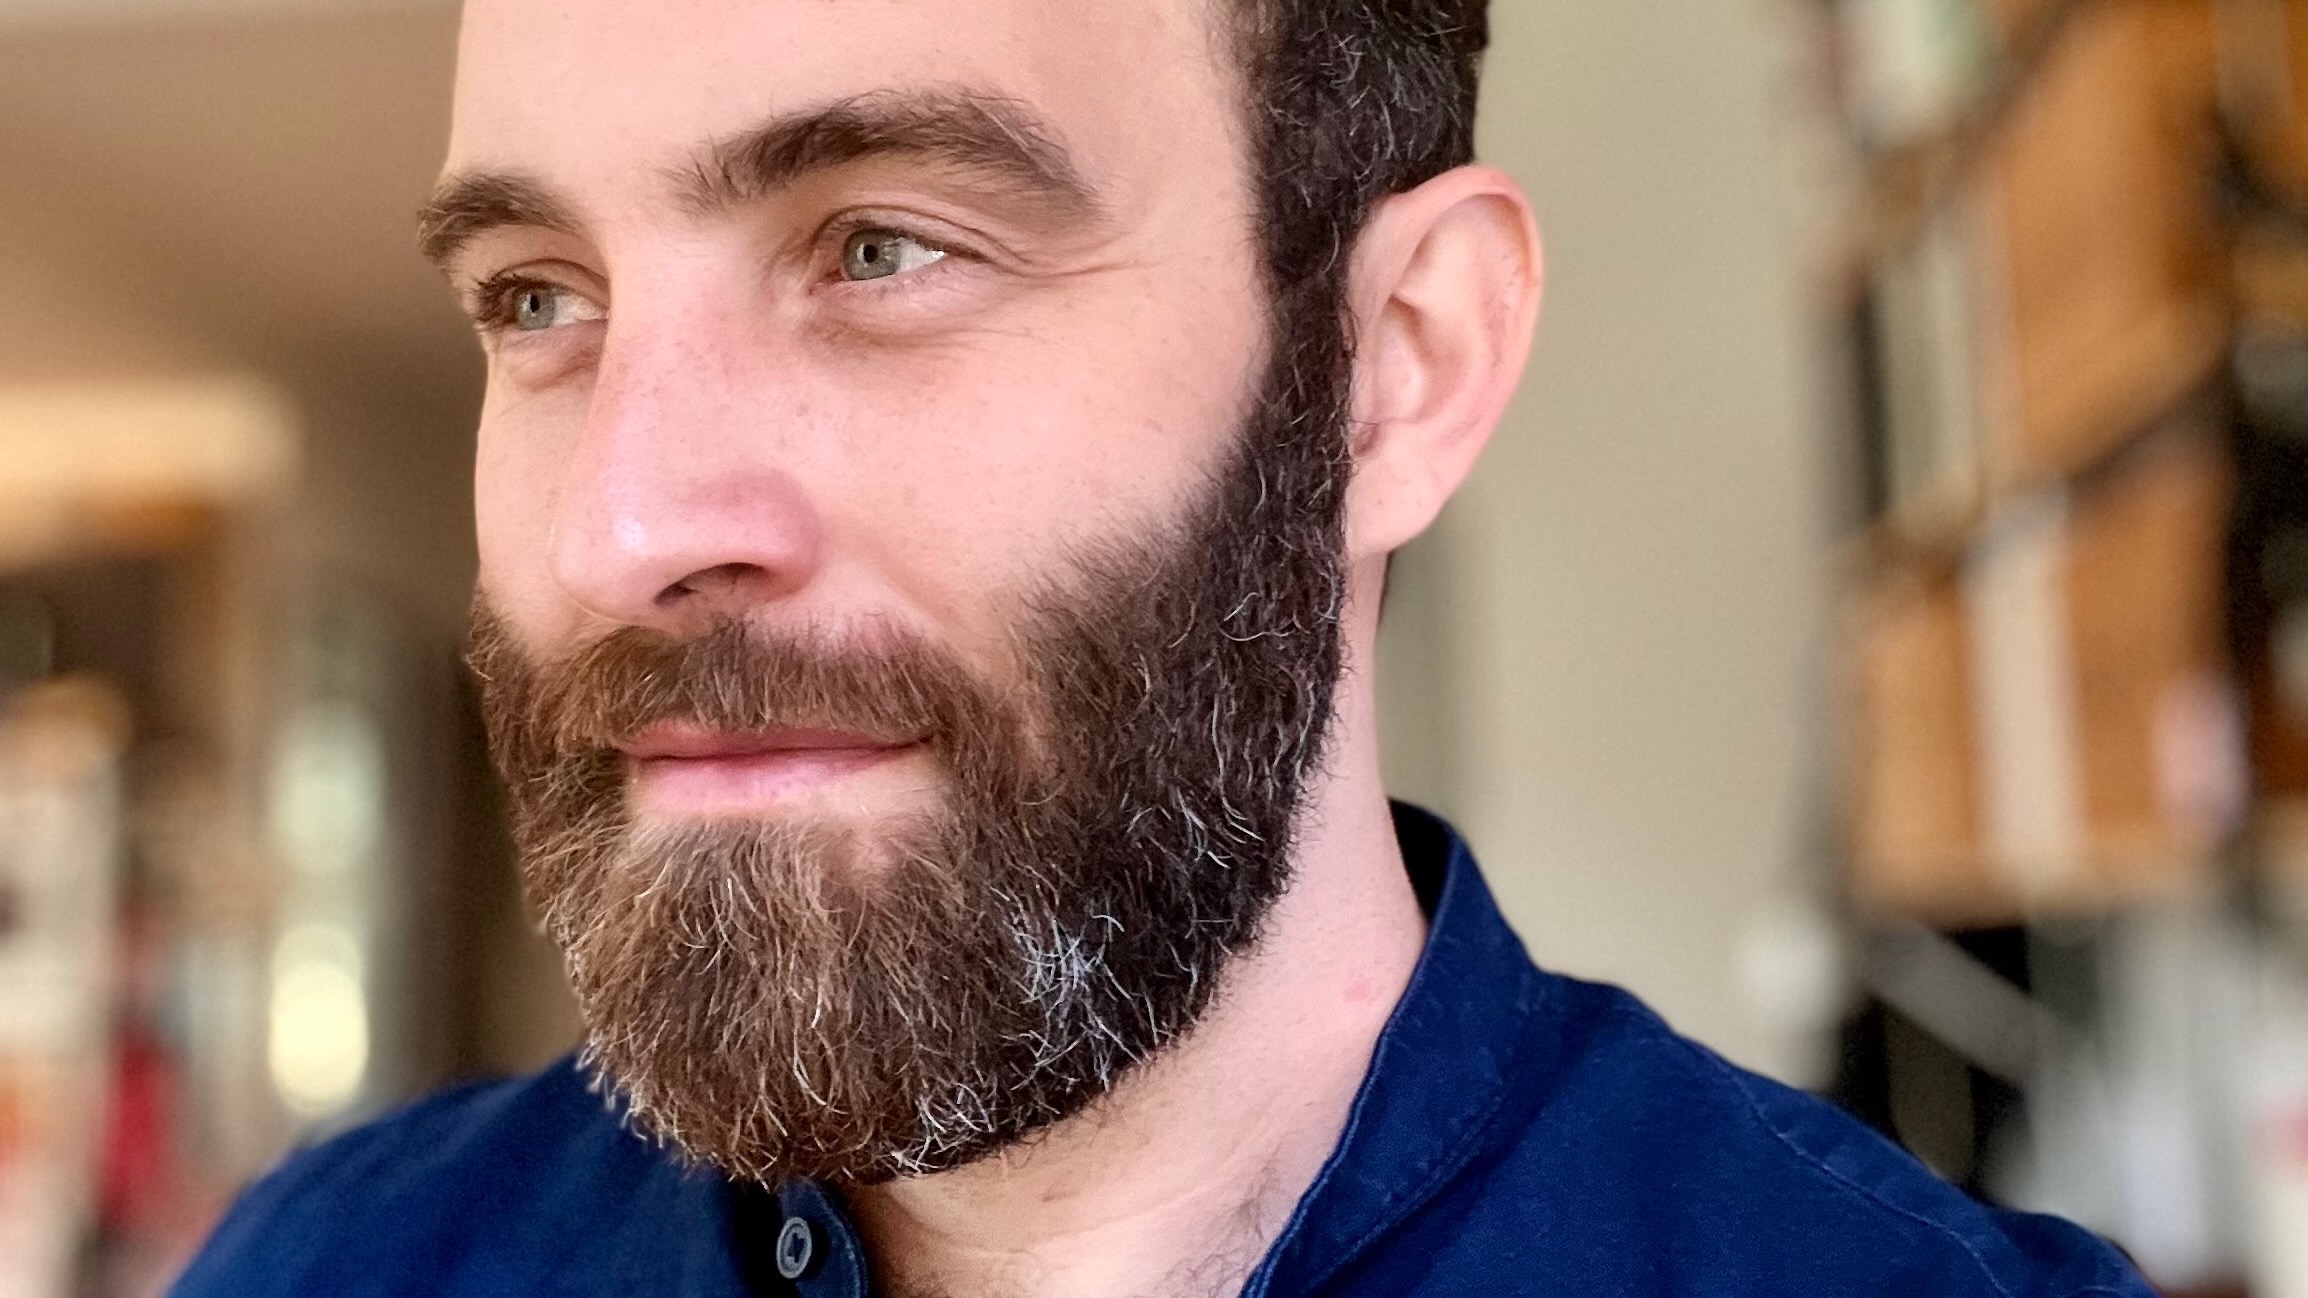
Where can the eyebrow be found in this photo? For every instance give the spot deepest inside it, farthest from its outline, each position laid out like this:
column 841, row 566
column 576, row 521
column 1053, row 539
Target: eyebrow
column 465, row 207
column 994, row 136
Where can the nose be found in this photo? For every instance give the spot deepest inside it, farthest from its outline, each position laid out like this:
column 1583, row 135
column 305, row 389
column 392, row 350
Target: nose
column 679, row 505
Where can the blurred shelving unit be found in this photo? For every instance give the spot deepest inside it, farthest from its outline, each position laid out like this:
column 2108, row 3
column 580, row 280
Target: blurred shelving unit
column 2072, row 291
column 137, row 895
column 254, row 885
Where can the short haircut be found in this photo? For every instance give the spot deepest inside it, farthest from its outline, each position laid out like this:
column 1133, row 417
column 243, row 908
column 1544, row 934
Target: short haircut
column 1350, row 101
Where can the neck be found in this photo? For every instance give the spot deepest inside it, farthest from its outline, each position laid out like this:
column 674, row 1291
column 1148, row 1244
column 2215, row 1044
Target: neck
column 1177, row 1182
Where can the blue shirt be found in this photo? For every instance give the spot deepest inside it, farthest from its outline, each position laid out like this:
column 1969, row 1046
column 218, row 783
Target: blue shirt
column 1519, row 1133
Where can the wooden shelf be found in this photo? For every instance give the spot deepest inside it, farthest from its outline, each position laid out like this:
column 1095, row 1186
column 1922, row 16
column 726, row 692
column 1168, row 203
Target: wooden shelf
column 1900, row 187
column 2036, row 720
column 1934, row 530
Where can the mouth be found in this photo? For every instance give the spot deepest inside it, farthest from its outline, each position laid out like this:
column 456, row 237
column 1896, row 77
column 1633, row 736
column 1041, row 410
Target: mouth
column 691, row 770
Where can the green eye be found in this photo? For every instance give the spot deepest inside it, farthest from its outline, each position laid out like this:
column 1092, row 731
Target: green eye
column 533, row 306
column 536, row 307
column 879, row 254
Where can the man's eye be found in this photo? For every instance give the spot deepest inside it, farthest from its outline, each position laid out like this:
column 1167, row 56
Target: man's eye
column 879, row 254
column 530, row 305
column 535, row 307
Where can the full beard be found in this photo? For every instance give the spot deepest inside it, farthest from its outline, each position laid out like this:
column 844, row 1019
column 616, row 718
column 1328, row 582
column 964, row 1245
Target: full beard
column 792, row 997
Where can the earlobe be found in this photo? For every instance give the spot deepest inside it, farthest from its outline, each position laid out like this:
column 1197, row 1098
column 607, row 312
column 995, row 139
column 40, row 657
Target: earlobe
column 1445, row 298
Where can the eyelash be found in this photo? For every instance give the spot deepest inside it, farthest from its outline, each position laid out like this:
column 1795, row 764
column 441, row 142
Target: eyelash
column 838, row 232
column 491, row 301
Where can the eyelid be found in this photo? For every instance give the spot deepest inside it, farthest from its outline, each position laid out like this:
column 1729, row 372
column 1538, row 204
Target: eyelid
column 949, row 237
column 487, row 299
column 960, row 255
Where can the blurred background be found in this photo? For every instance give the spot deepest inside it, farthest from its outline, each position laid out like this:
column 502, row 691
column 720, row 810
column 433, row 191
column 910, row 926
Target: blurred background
column 1879, row 636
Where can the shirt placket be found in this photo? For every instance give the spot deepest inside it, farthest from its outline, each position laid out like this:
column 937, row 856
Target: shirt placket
column 817, row 1249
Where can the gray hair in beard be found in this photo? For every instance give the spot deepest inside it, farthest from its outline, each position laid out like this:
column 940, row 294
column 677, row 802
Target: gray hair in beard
column 789, row 999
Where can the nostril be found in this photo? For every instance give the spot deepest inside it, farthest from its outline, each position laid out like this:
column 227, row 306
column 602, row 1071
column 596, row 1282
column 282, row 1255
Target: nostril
column 710, row 581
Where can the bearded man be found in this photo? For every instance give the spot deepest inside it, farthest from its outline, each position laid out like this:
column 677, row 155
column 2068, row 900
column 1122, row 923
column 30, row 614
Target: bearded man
column 935, row 490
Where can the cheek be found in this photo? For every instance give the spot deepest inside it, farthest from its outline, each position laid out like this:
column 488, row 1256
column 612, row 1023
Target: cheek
column 1002, row 452
column 514, row 490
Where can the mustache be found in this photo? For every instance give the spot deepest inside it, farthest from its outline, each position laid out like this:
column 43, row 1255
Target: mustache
column 735, row 676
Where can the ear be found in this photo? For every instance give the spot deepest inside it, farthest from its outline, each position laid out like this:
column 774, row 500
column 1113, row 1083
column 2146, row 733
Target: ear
column 1445, row 294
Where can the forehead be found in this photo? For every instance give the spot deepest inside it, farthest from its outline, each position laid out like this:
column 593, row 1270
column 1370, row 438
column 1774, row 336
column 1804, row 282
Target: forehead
column 593, row 87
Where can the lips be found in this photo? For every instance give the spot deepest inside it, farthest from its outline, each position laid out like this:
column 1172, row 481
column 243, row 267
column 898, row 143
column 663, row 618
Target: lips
column 690, row 770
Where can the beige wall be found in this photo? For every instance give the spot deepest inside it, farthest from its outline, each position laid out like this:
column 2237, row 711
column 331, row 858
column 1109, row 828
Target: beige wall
column 1604, row 662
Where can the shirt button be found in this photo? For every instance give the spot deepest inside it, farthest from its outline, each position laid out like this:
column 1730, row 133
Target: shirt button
column 796, row 1248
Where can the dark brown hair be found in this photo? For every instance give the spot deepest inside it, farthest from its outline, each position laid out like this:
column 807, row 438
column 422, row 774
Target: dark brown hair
column 1349, row 101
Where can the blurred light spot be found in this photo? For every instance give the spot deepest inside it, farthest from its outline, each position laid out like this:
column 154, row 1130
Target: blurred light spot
column 1791, row 965
column 2203, row 775
column 319, row 1031
column 329, row 788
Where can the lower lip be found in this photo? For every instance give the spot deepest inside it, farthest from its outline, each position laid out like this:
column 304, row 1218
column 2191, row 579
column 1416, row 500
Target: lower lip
column 742, row 782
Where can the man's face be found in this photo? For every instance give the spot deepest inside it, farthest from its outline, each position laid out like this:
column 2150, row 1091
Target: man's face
column 910, row 549
column 768, row 422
